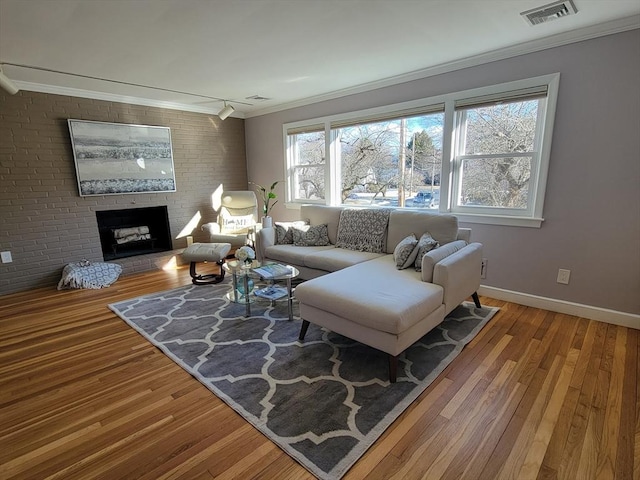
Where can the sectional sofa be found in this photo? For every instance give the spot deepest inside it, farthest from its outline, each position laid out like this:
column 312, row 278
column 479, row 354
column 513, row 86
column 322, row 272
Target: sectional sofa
column 360, row 281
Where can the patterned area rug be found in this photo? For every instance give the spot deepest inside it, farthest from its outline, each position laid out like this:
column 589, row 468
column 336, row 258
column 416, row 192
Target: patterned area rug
column 324, row 401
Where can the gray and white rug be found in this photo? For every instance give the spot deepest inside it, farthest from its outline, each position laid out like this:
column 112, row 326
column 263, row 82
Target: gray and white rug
column 324, row 401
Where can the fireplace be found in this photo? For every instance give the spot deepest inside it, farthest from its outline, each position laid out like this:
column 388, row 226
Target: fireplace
column 133, row 231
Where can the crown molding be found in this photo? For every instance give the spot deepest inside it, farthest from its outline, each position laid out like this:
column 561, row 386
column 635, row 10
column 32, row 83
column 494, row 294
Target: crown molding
column 112, row 97
column 565, row 38
column 558, row 40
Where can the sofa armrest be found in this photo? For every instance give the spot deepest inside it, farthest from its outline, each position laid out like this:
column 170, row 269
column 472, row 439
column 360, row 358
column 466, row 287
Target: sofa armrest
column 459, row 275
column 265, row 237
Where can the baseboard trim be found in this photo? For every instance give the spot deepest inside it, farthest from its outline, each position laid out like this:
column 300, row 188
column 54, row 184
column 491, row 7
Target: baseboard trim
column 586, row 311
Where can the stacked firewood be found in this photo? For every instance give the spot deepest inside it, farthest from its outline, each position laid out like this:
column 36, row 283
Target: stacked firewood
column 131, row 234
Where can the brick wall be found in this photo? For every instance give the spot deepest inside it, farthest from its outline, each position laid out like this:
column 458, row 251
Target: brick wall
column 46, row 224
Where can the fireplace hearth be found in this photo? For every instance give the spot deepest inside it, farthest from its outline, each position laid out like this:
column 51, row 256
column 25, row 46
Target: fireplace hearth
column 133, row 231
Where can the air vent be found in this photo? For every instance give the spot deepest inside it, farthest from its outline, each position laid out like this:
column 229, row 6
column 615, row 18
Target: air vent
column 257, row 98
column 553, row 11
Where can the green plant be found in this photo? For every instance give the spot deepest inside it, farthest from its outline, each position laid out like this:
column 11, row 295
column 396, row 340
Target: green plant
column 267, row 196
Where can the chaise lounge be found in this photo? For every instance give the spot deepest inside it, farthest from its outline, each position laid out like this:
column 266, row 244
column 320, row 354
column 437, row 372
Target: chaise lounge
column 360, row 281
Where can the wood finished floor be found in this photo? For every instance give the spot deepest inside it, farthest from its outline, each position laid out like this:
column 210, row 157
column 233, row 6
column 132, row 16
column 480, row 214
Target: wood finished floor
column 535, row 395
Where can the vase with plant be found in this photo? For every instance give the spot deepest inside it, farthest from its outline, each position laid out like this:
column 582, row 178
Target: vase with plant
column 267, row 196
column 246, row 255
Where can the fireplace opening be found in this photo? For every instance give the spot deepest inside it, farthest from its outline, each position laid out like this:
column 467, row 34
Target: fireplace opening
column 133, row 231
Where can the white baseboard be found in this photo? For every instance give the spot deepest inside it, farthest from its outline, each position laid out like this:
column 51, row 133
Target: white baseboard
column 585, row 311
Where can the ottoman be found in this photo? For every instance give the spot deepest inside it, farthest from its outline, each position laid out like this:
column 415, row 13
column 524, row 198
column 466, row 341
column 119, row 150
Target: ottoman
column 206, row 252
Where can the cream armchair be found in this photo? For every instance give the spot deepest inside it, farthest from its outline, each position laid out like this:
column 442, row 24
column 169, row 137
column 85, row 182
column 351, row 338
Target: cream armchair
column 237, row 219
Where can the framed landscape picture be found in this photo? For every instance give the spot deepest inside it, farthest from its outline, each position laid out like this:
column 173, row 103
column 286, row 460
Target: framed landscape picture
column 117, row 158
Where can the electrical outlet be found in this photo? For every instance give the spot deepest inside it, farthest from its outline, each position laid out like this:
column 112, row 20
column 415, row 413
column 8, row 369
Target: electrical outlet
column 483, row 268
column 563, row 276
column 6, row 257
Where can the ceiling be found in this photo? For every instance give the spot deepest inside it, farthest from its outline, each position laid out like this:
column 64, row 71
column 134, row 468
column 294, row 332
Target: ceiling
column 291, row 52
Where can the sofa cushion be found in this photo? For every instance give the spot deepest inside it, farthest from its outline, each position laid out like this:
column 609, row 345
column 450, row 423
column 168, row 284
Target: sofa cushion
column 337, row 258
column 425, row 245
column 284, row 234
column 405, row 252
column 434, row 256
column 442, row 227
column 364, row 230
column 319, row 214
column 310, row 236
column 291, row 254
column 374, row 294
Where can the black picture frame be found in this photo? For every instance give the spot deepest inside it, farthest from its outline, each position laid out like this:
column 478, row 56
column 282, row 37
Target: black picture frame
column 119, row 158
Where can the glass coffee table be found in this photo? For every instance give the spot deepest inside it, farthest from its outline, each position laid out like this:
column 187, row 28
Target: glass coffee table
column 245, row 278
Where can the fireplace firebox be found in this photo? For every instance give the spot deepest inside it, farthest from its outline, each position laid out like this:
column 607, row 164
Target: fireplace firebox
column 133, row 231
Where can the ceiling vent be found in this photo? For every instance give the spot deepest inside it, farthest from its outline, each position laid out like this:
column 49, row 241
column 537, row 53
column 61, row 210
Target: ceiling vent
column 553, row 11
column 257, row 98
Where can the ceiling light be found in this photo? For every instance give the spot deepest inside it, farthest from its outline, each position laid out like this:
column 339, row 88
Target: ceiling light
column 226, row 111
column 7, row 84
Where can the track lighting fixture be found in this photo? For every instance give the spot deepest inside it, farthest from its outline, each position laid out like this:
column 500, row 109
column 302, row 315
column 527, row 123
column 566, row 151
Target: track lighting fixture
column 226, row 111
column 10, row 87
column 7, row 84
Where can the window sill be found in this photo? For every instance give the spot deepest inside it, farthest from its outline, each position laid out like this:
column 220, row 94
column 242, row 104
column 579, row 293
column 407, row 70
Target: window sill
column 529, row 222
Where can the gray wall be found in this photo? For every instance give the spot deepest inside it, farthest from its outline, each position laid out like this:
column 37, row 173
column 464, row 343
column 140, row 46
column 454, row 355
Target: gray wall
column 46, row 224
column 592, row 207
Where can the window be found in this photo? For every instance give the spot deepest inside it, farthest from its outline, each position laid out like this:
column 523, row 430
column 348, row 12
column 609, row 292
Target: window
column 307, row 165
column 390, row 162
column 497, row 152
column 481, row 154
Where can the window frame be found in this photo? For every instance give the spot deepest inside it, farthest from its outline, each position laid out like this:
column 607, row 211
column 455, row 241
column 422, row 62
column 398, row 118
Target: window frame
column 531, row 217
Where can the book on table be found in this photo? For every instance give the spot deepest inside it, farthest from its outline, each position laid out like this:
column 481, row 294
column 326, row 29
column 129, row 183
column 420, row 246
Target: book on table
column 273, row 270
column 272, row 292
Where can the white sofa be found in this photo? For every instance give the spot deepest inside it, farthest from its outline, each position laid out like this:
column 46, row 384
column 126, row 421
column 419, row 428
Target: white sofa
column 363, row 296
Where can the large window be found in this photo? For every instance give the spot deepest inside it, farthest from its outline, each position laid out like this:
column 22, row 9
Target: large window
column 481, row 154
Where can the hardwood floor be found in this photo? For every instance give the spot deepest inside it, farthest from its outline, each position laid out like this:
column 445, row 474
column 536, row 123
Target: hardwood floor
column 535, row 395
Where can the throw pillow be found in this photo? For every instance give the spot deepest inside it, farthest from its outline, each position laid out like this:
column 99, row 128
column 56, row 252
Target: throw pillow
column 364, row 230
column 284, row 234
column 425, row 245
column 405, row 252
column 311, row 235
column 237, row 225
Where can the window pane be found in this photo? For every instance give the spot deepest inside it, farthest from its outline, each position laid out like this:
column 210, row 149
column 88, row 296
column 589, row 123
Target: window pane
column 495, row 182
column 309, row 183
column 393, row 162
column 501, row 128
column 310, row 148
column 307, row 162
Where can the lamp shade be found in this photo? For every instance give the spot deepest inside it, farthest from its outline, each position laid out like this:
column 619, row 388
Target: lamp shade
column 7, row 84
column 226, row 111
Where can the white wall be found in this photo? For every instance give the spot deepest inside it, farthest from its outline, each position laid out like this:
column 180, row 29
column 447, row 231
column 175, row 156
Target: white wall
column 592, row 207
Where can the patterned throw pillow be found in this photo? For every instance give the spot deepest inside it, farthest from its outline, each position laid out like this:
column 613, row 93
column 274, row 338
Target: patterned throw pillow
column 405, row 252
column 284, row 234
column 425, row 245
column 363, row 230
column 311, row 235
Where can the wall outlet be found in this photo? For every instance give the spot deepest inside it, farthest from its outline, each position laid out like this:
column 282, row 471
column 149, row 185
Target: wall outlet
column 563, row 276
column 6, row 257
column 483, row 268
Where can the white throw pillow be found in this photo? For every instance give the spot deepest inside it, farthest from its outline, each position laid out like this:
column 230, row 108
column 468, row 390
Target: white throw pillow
column 237, row 225
column 405, row 252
